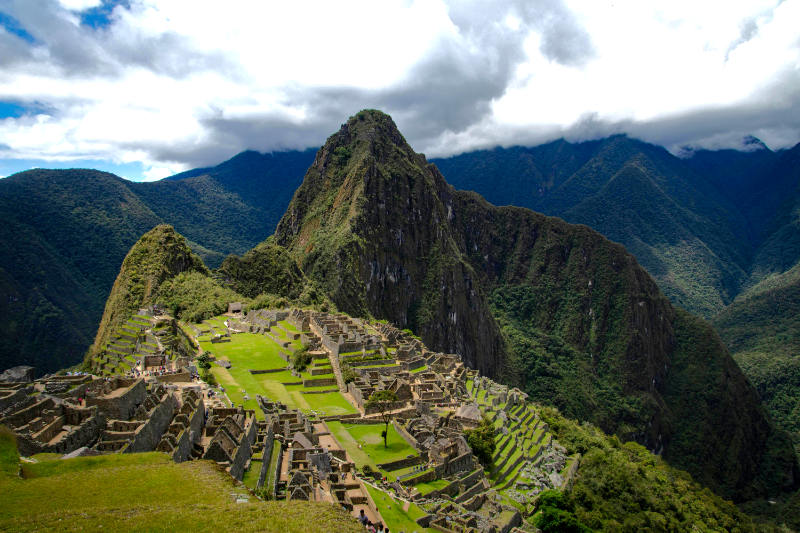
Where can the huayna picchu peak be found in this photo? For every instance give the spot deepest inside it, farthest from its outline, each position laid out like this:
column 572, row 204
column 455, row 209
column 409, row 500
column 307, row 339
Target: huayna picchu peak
column 414, row 355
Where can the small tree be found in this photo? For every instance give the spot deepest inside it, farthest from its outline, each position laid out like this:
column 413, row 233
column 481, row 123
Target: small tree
column 382, row 400
column 204, row 361
column 301, row 359
column 481, row 440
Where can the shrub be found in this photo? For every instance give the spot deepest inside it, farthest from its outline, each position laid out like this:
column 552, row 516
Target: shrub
column 301, row 359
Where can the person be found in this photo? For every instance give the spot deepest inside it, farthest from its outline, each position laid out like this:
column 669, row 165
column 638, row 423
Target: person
column 379, row 528
column 363, row 518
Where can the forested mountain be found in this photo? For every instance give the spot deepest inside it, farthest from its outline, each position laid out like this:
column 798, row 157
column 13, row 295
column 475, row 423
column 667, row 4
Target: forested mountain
column 66, row 232
column 719, row 230
column 555, row 308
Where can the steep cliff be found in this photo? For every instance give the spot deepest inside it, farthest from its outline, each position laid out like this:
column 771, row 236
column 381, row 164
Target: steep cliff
column 529, row 299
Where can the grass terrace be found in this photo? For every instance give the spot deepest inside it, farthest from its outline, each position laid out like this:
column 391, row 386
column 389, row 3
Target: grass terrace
column 372, row 451
column 247, row 351
column 399, row 515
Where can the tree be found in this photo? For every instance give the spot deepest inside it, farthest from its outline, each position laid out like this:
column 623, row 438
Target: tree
column 481, row 440
column 383, row 401
column 301, row 359
column 204, row 361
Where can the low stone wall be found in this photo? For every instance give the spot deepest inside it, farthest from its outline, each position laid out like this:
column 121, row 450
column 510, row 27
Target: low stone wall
column 370, row 362
column 325, row 391
column 476, row 488
column 149, row 434
column 243, row 452
column 408, row 438
column 401, row 463
column 180, row 377
column 266, row 457
column 267, row 371
column 14, row 397
column 319, row 382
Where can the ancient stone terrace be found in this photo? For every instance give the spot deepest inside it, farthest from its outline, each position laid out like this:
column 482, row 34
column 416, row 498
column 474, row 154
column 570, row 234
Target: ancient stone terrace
column 232, row 433
column 47, row 424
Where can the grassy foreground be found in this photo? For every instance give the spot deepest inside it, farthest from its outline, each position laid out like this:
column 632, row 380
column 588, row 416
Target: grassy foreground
column 143, row 492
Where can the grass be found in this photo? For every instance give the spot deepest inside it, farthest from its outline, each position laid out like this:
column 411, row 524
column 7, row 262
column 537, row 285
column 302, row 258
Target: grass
column 251, row 476
column 143, row 492
column 427, row 487
column 372, row 451
column 273, row 463
column 248, row 351
column 392, row 512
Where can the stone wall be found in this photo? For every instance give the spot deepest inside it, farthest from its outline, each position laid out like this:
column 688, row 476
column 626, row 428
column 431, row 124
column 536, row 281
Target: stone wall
column 189, row 435
column 401, row 463
column 243, row 451
column 122, row 406
column 149, row 434
column 266, row 457
column 179, row 377
column 13, row 397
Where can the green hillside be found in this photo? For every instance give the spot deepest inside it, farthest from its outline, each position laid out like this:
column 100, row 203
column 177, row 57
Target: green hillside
column 143, row 492
column 66, row 232
column 763, row 330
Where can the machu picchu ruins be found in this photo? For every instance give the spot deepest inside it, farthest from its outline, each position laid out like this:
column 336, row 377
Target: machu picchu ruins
column 301, row 431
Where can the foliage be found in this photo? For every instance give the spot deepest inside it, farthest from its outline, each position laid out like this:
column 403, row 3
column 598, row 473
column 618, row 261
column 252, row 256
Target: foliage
column 623, row 487
column 196, row 296
column 382, row 400
column 158, row 256
column 301, row 359
column 555, row 514
column 208, row 377
column 762, row 329
column 204, row 361
column 481, row 440
column 264, row 269
column 348, row 374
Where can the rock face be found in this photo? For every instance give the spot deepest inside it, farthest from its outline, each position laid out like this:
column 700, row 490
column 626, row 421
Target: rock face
column 531, row 300
column 18, row 374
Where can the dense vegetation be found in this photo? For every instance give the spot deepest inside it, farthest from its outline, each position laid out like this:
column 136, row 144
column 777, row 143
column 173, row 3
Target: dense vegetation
column 481, row 440
column 623, row 487
column 716, row 229
column 158, row 256
column 66, row 232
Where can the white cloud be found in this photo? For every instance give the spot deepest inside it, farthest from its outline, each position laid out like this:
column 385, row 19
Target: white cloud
column 190, row 83
column 79, row 5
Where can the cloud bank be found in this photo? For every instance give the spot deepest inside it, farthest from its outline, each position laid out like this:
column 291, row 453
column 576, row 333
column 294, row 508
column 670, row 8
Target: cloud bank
column 189, row 83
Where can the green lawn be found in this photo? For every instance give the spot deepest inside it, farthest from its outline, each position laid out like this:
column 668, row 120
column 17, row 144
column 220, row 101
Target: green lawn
column 429, row 486
column 248, row 351
column 372, row 451
column 392, row 512
column 326, row 403
column 143, row 492
column 251, row 476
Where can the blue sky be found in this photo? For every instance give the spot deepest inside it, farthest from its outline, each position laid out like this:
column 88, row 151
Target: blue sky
column 148, row 88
